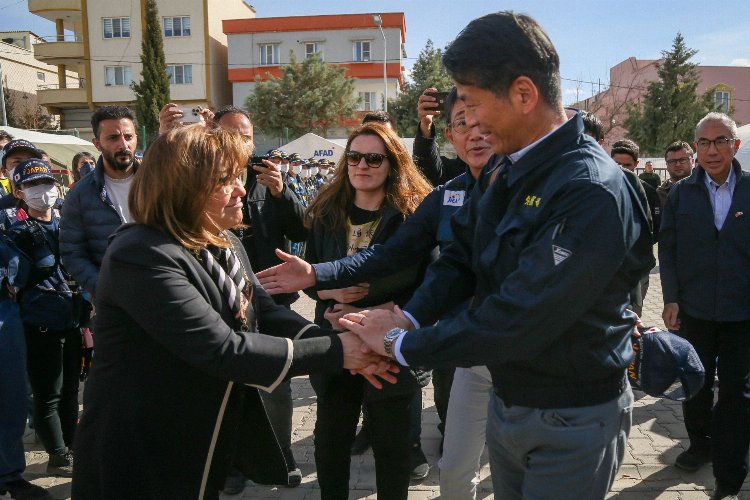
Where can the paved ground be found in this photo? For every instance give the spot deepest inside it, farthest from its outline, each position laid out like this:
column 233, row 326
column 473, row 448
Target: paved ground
column 657, row 437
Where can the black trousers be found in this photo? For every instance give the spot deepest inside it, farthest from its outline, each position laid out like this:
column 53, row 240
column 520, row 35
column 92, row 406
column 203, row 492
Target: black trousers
column 724, row 427
column 338, row 413
column 442, row 381
column 54, row 365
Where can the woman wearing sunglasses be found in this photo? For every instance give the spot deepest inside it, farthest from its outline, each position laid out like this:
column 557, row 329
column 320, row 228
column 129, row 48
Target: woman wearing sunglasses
column 376, row 186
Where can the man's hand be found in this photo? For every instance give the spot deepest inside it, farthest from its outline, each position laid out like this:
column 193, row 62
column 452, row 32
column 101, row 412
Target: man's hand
column 346, row 295
column 270, row 176
column 169, row 117
column 292, row 275
column 670, row 315
column 371, row 326
column 426, row 110
column 359, row 359
column 208, row 116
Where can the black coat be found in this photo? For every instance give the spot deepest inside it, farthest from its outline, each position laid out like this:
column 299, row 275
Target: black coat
column 173, row 390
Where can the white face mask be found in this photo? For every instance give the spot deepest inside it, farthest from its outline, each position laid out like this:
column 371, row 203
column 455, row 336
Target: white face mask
column 313, row 171
column 323, row 171
column 330, row 175
column 296, row 169
column 40, row 198
column 305, row 173
column 284, row 168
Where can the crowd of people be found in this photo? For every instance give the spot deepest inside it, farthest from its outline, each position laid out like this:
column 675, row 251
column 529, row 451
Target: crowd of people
column 511, row 276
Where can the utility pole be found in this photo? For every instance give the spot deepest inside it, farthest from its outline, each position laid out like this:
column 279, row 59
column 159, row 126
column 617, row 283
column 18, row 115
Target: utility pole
column 2, row 97
column 378, row 20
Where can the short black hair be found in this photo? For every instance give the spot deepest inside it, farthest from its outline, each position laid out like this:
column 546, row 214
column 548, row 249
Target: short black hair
column 230, row 110
column 450, row 101
column 116, row 112
column 676, row 146
column 626, row 147
column 379, row 116
column 592, row 126
column 495, row 50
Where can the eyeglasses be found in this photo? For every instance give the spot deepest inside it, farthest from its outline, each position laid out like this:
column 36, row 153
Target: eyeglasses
column 373, row 160
column 459, row 126
column 678, row 161
column 720, row 143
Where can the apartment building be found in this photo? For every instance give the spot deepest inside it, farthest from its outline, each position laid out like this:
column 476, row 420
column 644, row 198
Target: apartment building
column 105, row 48
column 629, row 79
column 261, row 47
column 23, row 74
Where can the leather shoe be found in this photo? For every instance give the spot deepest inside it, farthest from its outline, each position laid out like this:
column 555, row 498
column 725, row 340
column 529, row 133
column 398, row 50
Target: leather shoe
column 418, row 463
column 693, row 459
column 722, row 493
column 234, row 484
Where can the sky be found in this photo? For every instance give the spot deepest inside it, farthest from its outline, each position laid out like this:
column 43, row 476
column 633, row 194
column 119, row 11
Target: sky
column 590, row 35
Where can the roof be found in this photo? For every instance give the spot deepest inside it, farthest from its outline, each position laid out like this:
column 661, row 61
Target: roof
column 313, row 23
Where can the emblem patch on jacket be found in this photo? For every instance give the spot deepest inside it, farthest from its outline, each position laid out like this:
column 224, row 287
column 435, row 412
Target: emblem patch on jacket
column 453, row 198
column 560, row 254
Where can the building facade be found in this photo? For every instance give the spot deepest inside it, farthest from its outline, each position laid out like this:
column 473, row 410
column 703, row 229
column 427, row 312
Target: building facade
column 629, row 80
column 261, row 47
column 23, row 75
column 105, row 50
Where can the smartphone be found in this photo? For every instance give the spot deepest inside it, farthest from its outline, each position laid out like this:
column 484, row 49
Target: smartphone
column 440, row 97
column 189, row 114
column 256, row 160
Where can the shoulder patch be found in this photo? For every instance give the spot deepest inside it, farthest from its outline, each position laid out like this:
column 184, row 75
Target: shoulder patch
column 453, row 198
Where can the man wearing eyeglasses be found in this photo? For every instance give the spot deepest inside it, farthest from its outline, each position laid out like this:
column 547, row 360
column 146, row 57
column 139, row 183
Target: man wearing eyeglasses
column 679, row 158
column 705, row 275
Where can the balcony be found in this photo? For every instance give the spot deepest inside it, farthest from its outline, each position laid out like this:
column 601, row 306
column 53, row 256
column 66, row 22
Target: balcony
column 55, row 97
column 68, row 10
column 67, row 53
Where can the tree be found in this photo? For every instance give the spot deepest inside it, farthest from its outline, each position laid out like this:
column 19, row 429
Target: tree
column 311, row 96
column 153, row 91
column 428, row 71
column 671, row 105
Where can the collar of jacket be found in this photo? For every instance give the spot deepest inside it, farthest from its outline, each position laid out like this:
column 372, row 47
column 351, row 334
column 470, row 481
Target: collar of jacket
column 464, row 181
column 545, row 155
column 698, row 173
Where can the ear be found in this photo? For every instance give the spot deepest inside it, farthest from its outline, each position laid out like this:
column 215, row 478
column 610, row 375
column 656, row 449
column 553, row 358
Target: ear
column 737, row 143
column 449, row 134
column 18, row 193
column 524, row 94
column 97, row 144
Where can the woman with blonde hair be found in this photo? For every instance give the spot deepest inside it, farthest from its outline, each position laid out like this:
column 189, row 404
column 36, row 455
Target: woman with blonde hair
column 172, row 397
column 375, row 188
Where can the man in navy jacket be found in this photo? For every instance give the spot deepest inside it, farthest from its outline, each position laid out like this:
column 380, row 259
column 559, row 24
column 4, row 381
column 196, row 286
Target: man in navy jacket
column 705, row 275
column 548, row 248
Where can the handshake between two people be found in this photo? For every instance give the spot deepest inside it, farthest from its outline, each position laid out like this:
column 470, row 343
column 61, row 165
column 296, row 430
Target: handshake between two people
column 363, row 343
column 363, row 339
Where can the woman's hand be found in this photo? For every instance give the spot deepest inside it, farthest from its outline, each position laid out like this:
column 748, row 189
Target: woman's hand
column 359, row 359
column 345, row 295
column 336, row 312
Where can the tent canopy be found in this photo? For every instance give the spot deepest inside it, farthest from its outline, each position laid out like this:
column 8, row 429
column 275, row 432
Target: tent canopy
column 60, row 148
column 314, row 146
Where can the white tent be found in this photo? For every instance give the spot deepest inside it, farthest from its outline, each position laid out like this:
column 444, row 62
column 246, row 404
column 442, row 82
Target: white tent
column 314, row 146
column 743, row 155
column 60, row 148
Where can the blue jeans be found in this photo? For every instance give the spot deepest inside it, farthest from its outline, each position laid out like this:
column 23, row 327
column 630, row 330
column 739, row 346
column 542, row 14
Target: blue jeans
column 557, row 453
column 13, row 395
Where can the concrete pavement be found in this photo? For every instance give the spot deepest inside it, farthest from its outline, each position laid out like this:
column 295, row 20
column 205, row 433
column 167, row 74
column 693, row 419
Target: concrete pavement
column 657, row 437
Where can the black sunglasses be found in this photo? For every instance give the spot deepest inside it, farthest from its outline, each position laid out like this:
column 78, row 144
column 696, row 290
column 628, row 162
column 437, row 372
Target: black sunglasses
column 373, row 160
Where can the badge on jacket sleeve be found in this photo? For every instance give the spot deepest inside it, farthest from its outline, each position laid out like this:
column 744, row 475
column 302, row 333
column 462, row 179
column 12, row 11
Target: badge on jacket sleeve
column 453, row 198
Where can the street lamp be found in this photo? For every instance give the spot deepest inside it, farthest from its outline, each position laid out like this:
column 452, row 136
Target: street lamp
column 378, row 20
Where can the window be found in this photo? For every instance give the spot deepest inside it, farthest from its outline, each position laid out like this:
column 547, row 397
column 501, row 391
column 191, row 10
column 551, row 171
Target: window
column 180, row 74
column 722, row 100
column 41, row 76
column 269, row 54
column 177, row 26
column 313, row 48
column 116, row 27
column 117, row 75
column 367, row 101
column 362, row 50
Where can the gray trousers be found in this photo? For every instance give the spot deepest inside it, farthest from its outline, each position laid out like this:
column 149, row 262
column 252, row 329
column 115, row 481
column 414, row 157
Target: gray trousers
column 557, row 453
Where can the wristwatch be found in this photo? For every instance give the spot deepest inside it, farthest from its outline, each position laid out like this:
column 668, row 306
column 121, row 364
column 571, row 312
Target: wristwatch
column 390, row 338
